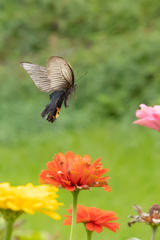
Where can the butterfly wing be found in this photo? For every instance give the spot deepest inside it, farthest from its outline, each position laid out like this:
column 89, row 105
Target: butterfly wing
column 39, row 75
column 58, row 77
column 54, row 107
column 60, row 74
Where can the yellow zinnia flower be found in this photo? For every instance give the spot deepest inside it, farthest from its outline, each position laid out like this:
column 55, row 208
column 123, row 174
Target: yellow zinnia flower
column 29, row 199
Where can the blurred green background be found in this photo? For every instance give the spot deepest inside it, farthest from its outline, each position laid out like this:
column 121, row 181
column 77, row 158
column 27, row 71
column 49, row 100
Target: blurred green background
column 118, row 44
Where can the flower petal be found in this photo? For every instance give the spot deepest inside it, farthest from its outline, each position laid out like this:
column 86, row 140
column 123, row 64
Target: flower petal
column 29, row 199
column 74, row 172
column 51, row 214
column 93, row 218
column 149, row 117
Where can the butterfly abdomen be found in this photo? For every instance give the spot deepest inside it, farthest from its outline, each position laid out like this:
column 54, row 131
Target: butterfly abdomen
column 68, row 94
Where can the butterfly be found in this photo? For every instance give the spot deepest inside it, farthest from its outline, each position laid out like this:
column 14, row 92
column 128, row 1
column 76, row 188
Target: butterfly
column 57, row 78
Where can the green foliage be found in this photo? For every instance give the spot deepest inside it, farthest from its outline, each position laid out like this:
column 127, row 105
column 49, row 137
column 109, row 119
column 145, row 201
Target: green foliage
column 116, row 42
column 131, row 156
column 18, row 232
column 35, row 235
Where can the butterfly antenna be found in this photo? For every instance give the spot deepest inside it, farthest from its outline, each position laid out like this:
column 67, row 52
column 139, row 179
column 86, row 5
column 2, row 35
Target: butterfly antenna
column 81, row 76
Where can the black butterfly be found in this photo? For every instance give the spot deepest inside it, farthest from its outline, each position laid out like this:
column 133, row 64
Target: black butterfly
column 58, row 78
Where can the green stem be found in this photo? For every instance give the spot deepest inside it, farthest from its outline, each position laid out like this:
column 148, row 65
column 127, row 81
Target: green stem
column 74, row 213
column 89, row 234
column 8, row 230
column 153, row 233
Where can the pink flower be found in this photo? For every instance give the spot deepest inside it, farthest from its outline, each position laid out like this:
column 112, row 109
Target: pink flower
column 149, row 117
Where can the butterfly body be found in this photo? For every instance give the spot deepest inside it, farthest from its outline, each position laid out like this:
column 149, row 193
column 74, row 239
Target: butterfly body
column 57, row 78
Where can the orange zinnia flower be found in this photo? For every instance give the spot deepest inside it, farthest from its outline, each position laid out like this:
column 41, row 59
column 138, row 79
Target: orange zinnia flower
column 93, row 218
column 74, row 172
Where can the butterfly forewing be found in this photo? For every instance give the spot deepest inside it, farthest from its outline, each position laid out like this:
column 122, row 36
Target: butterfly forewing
column 39, row 75
column 60, row 73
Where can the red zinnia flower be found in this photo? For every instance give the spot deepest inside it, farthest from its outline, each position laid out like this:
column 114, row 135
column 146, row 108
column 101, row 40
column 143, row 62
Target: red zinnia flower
column 93, row 218
column 74, row 172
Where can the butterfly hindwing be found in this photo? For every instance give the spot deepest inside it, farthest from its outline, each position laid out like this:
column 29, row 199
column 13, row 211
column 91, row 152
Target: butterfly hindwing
column 53, row 108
